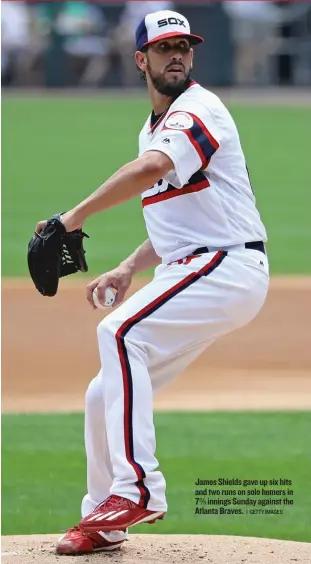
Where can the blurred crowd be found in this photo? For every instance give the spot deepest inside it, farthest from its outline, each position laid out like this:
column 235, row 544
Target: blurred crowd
column 79, row 44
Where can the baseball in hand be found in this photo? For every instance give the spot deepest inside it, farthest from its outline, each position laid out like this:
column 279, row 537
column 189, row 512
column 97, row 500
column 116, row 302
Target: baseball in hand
column 110, row 298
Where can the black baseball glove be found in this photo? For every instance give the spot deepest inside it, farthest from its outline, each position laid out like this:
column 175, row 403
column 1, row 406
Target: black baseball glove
column 54, row 253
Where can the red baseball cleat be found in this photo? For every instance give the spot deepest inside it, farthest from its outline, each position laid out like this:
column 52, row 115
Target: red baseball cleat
column 117, row 513
column 76, row 542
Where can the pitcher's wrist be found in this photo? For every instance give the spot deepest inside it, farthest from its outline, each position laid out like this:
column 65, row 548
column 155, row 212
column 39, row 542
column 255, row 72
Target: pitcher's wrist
column 128, row 265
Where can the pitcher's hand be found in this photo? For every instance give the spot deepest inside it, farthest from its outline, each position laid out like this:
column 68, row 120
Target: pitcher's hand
column 120, row 279
column 40, row 226
column 71, row 220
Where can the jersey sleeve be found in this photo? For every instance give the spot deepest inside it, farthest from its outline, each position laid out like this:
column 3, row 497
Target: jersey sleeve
column 189, row 137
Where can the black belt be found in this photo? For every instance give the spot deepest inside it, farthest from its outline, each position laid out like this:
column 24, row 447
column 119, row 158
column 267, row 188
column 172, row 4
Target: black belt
column 256, row 245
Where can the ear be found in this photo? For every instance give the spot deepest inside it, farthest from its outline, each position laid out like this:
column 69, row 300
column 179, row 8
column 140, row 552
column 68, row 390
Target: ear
column 141, row 61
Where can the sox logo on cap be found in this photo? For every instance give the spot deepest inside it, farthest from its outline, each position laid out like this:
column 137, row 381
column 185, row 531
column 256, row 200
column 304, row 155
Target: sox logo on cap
column 171, row 21
column 162, row 25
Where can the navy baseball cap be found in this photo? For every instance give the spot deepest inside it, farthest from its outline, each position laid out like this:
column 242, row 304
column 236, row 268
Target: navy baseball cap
column 161, row 25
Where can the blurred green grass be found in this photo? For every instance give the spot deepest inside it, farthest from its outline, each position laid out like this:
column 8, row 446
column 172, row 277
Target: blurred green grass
column 43, row 470
column 55, row 152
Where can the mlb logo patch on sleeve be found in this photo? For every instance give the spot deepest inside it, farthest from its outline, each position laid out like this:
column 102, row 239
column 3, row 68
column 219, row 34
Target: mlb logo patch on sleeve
column 179, row 120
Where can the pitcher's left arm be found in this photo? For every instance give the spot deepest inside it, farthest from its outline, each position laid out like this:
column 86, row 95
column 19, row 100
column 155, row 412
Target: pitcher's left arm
column 129, row 181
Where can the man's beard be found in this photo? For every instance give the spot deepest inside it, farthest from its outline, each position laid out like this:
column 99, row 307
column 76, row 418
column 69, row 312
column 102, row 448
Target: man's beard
column 166, row 88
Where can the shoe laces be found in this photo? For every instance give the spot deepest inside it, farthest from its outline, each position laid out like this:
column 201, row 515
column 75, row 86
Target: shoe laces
column 72, row 529
column 77, row 529
column 115, row 501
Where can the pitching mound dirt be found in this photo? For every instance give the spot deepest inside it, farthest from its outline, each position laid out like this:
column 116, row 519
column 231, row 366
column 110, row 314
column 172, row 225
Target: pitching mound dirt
column 164, row 549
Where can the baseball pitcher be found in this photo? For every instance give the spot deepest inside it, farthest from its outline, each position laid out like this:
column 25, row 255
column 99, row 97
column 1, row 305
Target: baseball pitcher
column 206, row 243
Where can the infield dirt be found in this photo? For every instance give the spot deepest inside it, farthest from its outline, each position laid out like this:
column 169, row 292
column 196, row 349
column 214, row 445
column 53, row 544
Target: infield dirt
column 50, row 353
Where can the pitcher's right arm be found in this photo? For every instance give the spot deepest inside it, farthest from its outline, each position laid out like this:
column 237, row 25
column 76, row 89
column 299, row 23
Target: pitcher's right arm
column 142, row 258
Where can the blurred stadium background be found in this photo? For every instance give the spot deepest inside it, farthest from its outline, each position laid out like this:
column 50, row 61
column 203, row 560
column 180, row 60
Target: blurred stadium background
column 62, row 44
column 72, row 107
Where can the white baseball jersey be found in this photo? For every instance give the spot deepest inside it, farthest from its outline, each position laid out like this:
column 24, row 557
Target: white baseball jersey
column 207, row 199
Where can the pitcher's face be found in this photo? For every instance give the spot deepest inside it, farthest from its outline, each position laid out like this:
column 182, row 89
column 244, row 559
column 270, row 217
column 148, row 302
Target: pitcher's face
column 168, row 64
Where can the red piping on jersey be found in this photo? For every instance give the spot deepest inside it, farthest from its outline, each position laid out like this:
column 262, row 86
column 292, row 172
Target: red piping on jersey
column 188, row 189
column 197, row 147
column 211, row 139
column 152, row 129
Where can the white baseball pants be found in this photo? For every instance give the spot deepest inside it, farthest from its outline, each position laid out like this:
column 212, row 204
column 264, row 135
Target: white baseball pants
column 143, row 345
